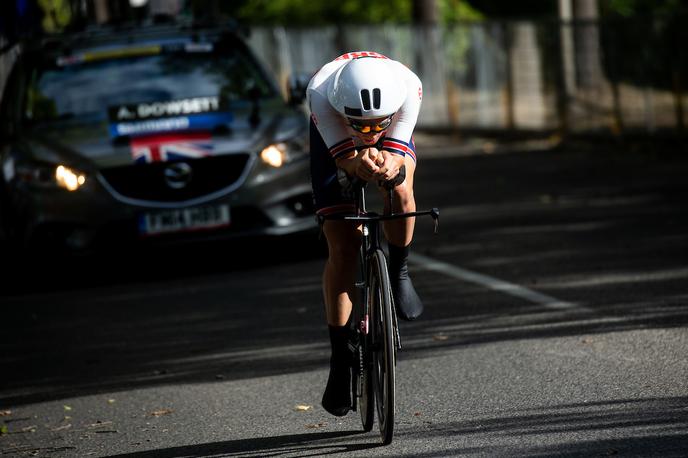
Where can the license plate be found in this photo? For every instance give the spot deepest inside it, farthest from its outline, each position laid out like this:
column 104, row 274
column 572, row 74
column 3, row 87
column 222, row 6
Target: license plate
column 184, row 219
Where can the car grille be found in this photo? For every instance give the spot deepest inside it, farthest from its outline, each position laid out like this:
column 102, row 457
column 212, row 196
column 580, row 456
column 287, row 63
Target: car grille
column 148, row 182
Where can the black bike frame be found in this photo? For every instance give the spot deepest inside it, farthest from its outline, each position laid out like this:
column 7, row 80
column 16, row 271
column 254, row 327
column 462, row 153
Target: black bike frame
column 371, row 237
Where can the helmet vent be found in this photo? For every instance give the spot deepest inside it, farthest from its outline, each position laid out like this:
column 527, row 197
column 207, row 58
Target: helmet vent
column 365, row 99
column 376, row 98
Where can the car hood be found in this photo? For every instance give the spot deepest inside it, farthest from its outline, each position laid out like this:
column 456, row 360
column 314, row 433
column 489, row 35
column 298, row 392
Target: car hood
column 90, row 145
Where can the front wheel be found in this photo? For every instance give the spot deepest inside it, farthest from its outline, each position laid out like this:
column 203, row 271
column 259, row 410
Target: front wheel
column 382, row 336
column 366, row 394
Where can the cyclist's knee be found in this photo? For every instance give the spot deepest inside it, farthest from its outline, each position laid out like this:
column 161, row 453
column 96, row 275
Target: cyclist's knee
column 343, row 241
column 403, row 194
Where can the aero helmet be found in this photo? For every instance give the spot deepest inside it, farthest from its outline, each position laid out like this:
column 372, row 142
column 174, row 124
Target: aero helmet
column 366, row 88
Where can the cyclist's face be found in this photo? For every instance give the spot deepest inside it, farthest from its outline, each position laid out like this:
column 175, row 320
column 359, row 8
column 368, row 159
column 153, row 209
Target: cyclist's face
column 370, row 138
column 370, row 130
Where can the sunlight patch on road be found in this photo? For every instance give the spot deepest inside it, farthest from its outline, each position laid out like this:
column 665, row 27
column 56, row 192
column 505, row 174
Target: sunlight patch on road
column 619, row 278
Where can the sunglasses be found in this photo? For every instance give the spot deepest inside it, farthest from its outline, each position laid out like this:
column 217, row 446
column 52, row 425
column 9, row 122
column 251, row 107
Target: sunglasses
column 365, row 128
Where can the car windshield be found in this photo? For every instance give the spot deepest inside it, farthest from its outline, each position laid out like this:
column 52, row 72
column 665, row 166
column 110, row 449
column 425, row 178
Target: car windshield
column 87, row 90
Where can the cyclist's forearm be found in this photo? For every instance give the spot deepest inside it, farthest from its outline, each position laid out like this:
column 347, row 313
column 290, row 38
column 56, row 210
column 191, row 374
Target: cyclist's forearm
column 349, row 164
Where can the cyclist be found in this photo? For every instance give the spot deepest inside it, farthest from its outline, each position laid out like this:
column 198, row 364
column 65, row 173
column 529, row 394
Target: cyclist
column 364, row 107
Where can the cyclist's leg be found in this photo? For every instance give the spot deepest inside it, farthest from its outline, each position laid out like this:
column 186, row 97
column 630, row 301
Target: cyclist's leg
column 399, row 234
column 343, row 240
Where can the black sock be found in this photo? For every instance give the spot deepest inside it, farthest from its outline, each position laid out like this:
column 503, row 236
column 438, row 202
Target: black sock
column 339, row 342
column 398, row 261
column 337, row 397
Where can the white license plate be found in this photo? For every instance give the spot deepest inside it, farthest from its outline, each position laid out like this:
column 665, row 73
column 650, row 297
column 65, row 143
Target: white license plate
column 184, row 219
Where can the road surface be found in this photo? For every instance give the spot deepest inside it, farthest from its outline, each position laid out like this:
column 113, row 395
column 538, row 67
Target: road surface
column 556, row 324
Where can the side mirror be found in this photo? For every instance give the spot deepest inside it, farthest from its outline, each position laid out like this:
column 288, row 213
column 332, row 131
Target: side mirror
column 296, row 88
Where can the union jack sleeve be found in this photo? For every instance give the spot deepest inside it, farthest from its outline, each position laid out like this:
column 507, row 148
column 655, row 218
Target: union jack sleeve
column 398, row 147
column 342, row 148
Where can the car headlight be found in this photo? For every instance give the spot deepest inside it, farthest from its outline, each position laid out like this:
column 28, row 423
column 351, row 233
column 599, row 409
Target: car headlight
column 68, row 178
column 47, row 175
column 275, row 155
column 278, row 154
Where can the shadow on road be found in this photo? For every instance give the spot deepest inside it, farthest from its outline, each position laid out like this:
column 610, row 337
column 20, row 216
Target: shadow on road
column 131, row 319
column 315, row 444
column 576, row 225
column 647, row 425
column 32, row 272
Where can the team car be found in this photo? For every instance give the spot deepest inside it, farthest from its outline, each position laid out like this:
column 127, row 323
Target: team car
column 165, row 133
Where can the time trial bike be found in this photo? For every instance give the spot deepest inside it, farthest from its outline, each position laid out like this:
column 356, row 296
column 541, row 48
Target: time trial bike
column 376, row 335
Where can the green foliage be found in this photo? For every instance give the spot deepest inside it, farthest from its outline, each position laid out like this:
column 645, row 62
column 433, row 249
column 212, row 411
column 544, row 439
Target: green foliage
column 636, row 8
column 313, row 13
column 304, row 13
column 500, row 9
column 457, row 10
column 650, row 31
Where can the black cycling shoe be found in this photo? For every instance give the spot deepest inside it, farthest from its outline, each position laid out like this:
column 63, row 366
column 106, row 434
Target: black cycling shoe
column 408, row 304
column 337, row 397
column 406, row 300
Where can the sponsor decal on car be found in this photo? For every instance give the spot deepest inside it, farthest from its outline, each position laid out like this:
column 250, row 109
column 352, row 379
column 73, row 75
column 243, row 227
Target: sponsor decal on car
column 196, row 113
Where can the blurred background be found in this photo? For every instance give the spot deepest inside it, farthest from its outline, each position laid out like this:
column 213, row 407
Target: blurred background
column 564, row 66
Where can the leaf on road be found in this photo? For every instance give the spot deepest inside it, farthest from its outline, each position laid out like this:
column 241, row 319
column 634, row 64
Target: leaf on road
column 67, row 408
column 29, row 429
column 3, row 429
column 587, row 340
column 302, row 408
column 440, row 337
column 316, row 425
column 100, row 424
column 161, row 412
column 546, row 198
column 60, row 428
column 110, row 401
column 5, row 413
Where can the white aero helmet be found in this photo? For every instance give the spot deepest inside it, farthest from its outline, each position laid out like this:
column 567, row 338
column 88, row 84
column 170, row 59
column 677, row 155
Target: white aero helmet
column 366, row 88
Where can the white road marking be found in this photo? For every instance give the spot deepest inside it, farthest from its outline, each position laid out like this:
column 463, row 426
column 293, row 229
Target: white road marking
column 496, row 284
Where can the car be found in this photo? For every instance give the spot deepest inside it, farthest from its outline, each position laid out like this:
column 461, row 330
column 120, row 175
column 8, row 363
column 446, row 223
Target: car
column 161, row 134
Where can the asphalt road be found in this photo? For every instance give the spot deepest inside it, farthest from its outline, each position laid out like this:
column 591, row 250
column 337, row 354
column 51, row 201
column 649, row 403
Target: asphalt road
column 556, row 324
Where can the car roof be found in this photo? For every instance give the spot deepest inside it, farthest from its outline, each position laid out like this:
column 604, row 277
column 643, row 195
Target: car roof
column 95, row 38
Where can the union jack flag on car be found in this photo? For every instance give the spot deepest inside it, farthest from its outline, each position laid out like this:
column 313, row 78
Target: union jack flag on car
column 171, row 147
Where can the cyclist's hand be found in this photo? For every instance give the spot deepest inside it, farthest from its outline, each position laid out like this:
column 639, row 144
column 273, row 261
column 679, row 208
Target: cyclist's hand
column 368, row 168
column 349, row 164
column 390, row 165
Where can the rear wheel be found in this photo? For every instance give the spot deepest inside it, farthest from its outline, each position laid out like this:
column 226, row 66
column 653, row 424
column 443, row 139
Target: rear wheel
column 383, row 354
